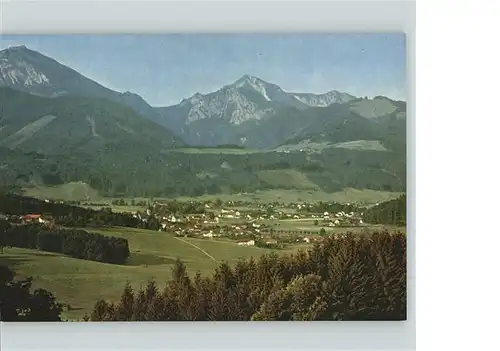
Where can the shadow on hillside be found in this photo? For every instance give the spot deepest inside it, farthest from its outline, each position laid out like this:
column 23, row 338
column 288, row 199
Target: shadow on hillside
column 140, row 259
column 11, row 260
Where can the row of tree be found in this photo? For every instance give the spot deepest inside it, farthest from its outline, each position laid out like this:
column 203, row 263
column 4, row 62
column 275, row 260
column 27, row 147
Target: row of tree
column 343, row 278
column 72, row 242
column 180, row 207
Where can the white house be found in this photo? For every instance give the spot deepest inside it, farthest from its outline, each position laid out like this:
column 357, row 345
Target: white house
column 209, row 235
column 247, row 243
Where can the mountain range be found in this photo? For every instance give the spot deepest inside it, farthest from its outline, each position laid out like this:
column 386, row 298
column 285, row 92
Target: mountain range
column 52, row 110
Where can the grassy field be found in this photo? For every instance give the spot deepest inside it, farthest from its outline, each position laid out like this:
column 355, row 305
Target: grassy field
column 81, row 283
column 226, row 151
column 76, row 191
column 79, row 191
column 307, row 225
column 374, row 145
column 19, row 137
column 359, row 196
column 304, row 144
column 287, row 178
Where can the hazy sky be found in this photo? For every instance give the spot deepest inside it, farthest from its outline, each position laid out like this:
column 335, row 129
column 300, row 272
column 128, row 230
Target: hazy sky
column 164, row 69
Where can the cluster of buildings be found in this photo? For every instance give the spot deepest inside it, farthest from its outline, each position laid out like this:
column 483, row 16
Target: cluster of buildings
column 27, row 218
column 248, row 226
column 343, row 219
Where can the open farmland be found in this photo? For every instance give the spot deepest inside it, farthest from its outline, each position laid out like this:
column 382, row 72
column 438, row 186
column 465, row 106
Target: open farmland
column 81, row 283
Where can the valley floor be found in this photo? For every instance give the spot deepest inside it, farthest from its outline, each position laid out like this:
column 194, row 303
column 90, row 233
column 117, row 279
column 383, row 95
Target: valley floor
column 81, row 191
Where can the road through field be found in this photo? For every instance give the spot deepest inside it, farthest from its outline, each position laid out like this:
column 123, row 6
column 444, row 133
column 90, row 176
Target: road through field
column 197, row 247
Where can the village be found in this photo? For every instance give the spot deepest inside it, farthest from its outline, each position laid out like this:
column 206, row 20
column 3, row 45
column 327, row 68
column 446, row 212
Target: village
column 274, row 225
column 269, row 225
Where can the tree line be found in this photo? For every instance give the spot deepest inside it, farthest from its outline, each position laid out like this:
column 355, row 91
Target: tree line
column 72, row 242
column 345, row 277
column 180, row 207
column 388, row 212
column 72, row 216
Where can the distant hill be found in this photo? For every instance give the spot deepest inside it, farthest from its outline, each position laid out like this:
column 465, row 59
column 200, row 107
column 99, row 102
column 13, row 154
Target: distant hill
column 69, row 124
column 342, row 123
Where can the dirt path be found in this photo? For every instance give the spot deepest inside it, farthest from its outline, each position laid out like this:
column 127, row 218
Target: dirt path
column 197, row 247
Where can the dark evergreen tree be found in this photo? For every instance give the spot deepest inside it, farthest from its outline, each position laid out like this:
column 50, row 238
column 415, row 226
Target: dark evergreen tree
column 18, row 303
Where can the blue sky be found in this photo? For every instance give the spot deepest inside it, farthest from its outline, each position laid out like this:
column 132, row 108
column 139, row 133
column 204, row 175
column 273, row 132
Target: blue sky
column 164, row 69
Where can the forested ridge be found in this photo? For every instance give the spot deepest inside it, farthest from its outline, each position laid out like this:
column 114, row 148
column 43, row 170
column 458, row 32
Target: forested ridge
column 176, row 173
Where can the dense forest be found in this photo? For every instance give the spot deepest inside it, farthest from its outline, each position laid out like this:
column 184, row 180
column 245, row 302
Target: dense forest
column 346, row 277
column 72, row 242
column 175, row 173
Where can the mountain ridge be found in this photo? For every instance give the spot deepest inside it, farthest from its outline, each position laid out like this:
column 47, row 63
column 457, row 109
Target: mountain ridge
column 248, row 112
column 219, row 117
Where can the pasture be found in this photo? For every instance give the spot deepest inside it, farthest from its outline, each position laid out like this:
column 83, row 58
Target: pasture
column 74, row 191
column 81, row 283
column 306, row 192
column 287, row 178
column 217, row 151
column 348, row 195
